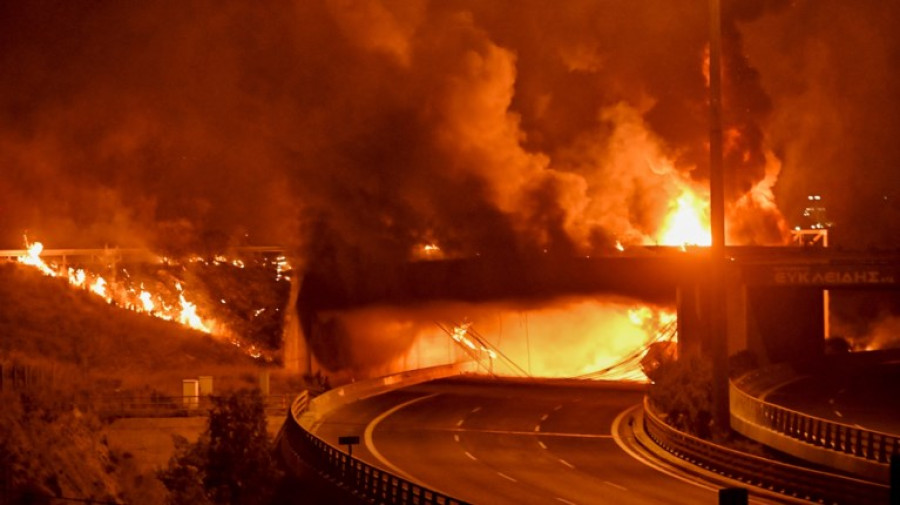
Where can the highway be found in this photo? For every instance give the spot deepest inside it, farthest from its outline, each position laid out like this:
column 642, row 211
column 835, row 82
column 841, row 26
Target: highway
column 489, row 442
column 864, row 398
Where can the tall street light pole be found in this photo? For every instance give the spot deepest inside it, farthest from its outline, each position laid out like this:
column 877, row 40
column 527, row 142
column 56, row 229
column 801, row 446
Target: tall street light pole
column 718, row 347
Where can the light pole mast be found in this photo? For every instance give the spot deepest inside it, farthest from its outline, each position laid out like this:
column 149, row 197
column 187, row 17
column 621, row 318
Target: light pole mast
column 718, row 347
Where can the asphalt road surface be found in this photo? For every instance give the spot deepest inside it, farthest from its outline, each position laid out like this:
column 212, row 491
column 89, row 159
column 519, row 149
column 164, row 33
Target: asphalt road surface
column 866, row 398
column 514, row 443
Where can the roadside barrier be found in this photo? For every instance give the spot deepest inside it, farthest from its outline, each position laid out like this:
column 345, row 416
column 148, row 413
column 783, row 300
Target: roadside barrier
column 299, row 445
column 862, row 452
column 360, row 478
column 773, row 476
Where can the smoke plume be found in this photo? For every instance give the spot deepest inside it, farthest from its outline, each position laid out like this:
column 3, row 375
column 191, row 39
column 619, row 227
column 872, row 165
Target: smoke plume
column 364, row 128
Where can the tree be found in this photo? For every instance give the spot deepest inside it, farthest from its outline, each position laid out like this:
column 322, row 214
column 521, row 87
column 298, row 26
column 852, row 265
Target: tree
column 232, row 463
column 682, row 391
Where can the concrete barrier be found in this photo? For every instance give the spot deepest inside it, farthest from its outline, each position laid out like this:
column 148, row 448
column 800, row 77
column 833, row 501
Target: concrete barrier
column 298, row 444
column 349, row 393
column 765, row 475
column 861, row 452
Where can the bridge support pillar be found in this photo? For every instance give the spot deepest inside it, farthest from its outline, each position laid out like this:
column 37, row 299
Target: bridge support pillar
column 785, row 323
column 692, row 318
column 736, row 319
column 296, row 351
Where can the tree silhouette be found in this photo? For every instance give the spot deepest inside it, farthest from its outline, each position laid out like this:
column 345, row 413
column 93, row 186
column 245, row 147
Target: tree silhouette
column 232, row 463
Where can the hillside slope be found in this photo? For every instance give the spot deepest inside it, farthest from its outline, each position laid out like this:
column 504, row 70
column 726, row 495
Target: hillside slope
column 83, row 350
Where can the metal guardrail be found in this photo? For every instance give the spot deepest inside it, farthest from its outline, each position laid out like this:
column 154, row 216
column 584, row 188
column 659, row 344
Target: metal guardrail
column 873, row 448
column 299, row 445
column 358, row 477
column 789, row 480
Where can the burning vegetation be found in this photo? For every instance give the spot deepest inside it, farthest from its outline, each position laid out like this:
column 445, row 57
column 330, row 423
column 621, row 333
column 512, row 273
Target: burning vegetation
column 368, row 133
column 241, row 304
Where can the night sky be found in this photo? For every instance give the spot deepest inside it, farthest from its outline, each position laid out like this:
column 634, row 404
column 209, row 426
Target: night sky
column 371, row 127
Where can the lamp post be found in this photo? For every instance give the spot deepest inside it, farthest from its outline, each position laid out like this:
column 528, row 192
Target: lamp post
column 718, row 347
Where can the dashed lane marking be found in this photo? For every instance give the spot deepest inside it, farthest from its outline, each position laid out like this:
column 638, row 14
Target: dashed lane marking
column 617, row 486
column 460, row 422
column 557, row 408
column 570, row 465
column 469, row 454
column 542, row 445
column 535, row 432
column 476, row 409
column 537, row 427
column 507, row 477
column 567, row 502
column 456, row 437
column 544, row 417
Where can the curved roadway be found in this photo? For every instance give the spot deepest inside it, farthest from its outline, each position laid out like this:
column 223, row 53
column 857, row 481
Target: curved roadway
column 865, row 398
column 514, row 443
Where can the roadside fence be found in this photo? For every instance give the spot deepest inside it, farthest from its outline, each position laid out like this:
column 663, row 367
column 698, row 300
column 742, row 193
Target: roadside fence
column 847, row 447
column 773, row 476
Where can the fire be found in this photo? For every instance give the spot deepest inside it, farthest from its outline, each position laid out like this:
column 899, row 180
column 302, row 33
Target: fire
column 571, row 337
column 688, row 223
column 460, row 334
column 122, row 294
column 427, row 251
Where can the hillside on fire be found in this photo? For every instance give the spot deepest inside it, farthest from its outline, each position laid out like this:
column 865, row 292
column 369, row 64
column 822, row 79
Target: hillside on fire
column 45, row 321
column 66, row 357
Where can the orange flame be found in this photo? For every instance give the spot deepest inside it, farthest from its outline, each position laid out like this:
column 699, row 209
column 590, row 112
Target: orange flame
column 121, row 294
column 572, row 337
column 688, row 223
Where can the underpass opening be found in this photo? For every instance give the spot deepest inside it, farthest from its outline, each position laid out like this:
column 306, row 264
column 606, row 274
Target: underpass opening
column 559, row 338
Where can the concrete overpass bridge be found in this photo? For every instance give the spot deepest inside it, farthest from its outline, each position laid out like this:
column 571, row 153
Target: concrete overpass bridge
column 774, row 295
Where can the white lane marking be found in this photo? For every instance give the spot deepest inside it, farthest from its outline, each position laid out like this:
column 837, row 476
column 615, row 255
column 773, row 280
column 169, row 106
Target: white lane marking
column 460, row 423
column 542, row 445
column 631, row 452
column 370, row 444
column 537, row 427
column 469, row 454
column 762, row 397
column 533, row 433
column 456, row 437
column 570, row 465
column 567, row 502
column 476, row 409
column 507, row 477
column 838, row 413
column 557, row 408
column 617, row 486
column 544, row 417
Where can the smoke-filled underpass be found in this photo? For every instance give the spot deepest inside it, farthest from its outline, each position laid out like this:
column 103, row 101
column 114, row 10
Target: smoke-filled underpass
column 566, row 337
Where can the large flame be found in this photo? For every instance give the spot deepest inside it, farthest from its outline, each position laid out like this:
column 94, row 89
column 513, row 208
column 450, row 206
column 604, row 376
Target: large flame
column 572, row 337
column 688, row 222
column 122, row 294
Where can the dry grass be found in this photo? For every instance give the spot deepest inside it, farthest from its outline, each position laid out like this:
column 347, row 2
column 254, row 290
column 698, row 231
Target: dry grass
column 82, row 350
column 79, row 338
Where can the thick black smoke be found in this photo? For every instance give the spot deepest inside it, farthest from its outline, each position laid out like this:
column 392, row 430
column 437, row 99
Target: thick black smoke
column 355, row 130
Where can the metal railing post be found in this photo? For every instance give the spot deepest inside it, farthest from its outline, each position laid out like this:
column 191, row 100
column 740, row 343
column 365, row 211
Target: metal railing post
column 734, row 496
column 895, row 480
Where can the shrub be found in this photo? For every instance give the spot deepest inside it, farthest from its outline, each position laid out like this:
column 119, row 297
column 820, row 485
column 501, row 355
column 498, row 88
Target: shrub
column 232, row 462
column 683, row 393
